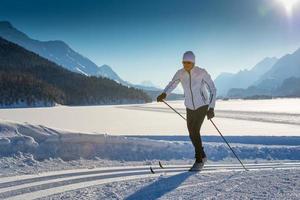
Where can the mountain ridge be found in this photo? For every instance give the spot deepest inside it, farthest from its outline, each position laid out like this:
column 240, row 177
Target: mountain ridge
column 62, row 54
column 27, row 77
column 280, row 80
column 244, row 78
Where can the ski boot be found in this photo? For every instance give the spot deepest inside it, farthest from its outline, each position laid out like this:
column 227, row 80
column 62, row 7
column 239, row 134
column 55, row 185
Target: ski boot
column 197, row 166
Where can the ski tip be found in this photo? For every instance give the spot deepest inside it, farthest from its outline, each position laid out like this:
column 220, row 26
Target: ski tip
column 152, row 171
column 160, row 165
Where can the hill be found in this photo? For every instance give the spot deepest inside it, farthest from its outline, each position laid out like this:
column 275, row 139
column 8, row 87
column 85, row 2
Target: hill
column 45, row 81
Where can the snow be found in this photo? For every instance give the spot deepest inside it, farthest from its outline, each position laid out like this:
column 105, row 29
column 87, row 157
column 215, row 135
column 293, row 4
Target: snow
column 232, row 117
column 44, row 143
column 70, row 57
column 81, row 65
column 229, row 185
column 83, row 153
column 79, row 70
column 136, row 182
column 279, row 105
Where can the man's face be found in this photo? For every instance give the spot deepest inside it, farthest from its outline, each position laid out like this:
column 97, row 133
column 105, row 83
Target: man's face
column 188, row 65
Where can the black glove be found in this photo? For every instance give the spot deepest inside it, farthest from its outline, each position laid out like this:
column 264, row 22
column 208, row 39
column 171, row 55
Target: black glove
column 161, row 97
column 210, row 113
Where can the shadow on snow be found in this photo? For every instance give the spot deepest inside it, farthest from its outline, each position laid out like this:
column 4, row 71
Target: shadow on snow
column 160, row 187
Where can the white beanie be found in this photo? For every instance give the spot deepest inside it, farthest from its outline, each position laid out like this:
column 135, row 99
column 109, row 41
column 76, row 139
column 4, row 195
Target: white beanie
column 189, row 56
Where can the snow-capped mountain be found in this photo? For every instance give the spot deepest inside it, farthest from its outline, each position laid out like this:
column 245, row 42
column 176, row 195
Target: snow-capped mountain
column 286, row 67
column 280, row 80
column 244, row 78
column 108, row 72
column 58, row 52
column 148, row 83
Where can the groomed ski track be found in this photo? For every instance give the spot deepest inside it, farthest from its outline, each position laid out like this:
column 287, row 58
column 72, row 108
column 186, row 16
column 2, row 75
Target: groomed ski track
column 50, row 183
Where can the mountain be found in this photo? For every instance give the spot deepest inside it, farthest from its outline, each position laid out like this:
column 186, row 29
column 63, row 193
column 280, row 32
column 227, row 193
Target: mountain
column 275, row 82
column 25, row 77
column 172, row 96
column 290, row 87
column 148, row 83
column 147, row 86
column 224, row 82
column 108, row 72
column 244, row 78
column 286, row 67
column 58, row 52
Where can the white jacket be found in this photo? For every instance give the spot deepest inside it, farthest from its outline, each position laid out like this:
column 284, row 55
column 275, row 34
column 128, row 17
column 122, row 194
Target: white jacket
column 196, row 85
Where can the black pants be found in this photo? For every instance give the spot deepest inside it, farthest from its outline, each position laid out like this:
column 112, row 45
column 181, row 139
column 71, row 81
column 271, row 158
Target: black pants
column 195, row 119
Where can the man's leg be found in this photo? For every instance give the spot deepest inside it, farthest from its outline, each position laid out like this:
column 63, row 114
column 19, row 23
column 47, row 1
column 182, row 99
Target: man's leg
column 192, row 128
column 201, row 113
column 195, row 119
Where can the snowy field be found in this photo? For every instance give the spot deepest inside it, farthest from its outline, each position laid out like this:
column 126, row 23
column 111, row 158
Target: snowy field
column 85, row 153
column 234, row 117
column 38, row 162
column 261, row 184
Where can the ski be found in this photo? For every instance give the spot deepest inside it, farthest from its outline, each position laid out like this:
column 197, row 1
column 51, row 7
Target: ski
column 160, row 165
column 163, row 169
column 167, row 169
column 151, row 170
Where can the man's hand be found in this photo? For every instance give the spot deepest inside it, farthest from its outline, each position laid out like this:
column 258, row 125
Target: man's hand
column 161, row 97
column 210, row 113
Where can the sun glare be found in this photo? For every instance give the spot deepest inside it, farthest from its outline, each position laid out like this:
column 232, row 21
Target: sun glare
column 289, row 4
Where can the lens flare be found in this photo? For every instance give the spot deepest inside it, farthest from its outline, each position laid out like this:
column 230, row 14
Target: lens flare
column 289, row 4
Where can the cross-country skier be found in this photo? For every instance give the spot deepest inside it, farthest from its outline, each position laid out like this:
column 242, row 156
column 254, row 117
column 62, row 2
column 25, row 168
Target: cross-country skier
column 196, row 82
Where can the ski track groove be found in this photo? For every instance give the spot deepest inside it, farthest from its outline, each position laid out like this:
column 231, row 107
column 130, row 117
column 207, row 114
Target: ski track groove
column 187, row 185
column 16, row 180
column 46, row 184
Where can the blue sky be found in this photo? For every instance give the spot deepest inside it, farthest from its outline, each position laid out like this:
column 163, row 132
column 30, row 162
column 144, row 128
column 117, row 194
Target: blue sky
column 144, row 40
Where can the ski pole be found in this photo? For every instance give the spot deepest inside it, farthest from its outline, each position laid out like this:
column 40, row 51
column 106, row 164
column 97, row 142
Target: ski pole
column 228, row 144
column 217, row 130
column 174, row 110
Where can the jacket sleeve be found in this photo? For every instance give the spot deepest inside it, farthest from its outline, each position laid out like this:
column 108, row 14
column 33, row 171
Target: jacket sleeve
column 212, row 89
column 172, row 84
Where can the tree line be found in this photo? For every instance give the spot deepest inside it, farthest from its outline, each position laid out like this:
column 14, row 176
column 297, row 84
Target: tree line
column 27, row 77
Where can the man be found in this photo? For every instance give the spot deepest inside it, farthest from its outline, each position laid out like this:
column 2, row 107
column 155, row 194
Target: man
column 195, row 82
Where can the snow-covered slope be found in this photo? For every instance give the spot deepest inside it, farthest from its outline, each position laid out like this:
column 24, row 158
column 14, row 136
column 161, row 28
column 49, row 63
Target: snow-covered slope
column 75, row 166
column 44, row 142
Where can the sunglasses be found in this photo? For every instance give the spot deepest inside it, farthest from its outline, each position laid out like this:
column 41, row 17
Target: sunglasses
column 187, row 62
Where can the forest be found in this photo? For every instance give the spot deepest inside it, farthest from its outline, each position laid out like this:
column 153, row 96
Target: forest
column 26, row 77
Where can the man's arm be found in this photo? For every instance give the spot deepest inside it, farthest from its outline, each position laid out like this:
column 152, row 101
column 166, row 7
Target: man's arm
column 212, row 89
column 172, row 84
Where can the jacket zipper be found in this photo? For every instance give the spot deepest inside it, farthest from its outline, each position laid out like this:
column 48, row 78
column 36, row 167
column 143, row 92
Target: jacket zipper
column 191, row 89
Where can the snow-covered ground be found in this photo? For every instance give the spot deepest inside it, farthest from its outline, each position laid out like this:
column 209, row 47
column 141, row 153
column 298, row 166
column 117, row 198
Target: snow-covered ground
column 45, row 163
column 44, row 143
column 262, row 181
column 98, row 161
column 261, row 184
column 234, row 117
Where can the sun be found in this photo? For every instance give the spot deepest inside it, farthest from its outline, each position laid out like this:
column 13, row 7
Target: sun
column 289, row 4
